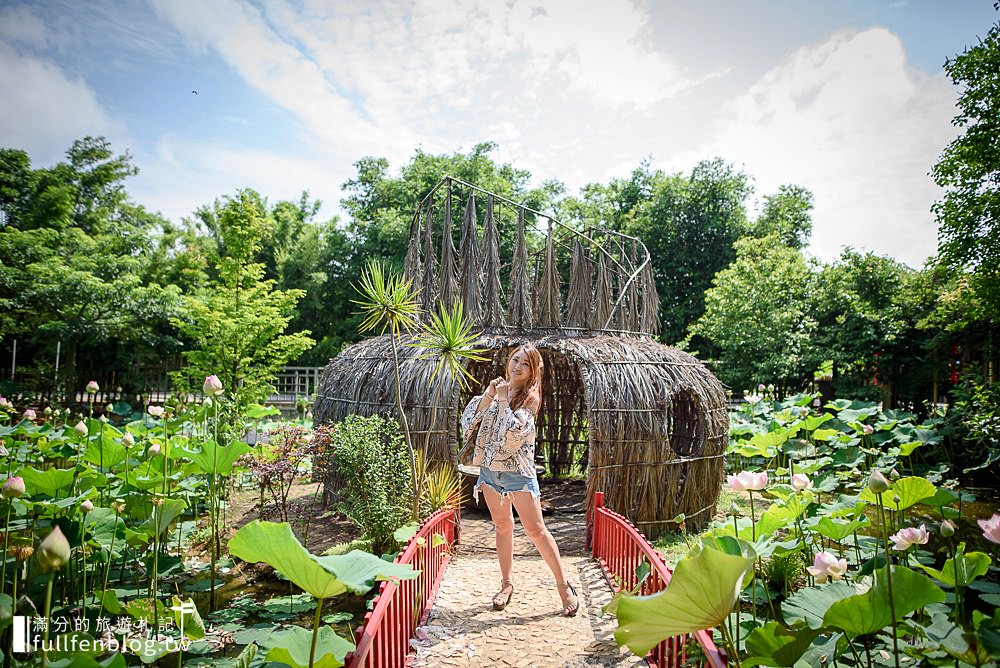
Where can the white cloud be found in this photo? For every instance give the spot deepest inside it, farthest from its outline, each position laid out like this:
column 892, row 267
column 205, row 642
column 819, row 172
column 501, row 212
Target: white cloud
column 385, row 77
column 851, row 121
column 18, row 24
column 45, row 110
column 183, row 176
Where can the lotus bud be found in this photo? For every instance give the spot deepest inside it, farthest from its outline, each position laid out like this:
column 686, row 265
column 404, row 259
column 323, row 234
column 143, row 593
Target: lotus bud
column 761, row 387
column 153, row 450
column 93, row 387
column 867, row 429
column 893, row 474
column 128, row 440
column 47, row 411
column 896, row 499
column 207, row 403
column 53, row 552
column 81, row 428
column 734, row 508
column 13, row 488
column 801, row 482
column 29, row 415
column 103, row 419
column 877, row 482
column 947, row 528
column 3, row 451
column 212, row 386
column 87, row 506
column 109, row 409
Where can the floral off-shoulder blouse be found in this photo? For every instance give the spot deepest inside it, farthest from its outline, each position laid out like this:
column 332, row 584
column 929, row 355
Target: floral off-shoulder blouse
column 506, row 442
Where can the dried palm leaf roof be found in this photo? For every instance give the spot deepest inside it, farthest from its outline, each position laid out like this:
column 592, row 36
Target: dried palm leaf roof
column 648, row 423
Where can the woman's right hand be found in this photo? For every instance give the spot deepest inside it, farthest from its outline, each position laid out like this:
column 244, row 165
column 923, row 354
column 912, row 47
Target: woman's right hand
column 491, row 391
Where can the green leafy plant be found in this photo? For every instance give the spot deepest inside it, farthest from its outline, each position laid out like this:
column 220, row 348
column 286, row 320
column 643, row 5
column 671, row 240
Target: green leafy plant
column 370, row 457
column 321, row 577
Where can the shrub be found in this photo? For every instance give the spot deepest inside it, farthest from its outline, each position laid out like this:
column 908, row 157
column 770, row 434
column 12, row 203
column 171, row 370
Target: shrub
column 277, row 464
column 372, row 462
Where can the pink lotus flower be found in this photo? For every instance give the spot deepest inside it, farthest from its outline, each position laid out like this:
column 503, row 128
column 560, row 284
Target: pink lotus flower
column 753, row 398
column 93, row 387
column 800, row 482
column 991, row 528
column 155, row 411
column 826, row 566
column 13, row 488
column 868, row 429
column 30, row 414
column 748, row 481
column 212, row 386
column 908, row 537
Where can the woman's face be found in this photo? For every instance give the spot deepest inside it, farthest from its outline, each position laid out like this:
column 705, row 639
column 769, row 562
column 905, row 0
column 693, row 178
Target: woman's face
column 518, row 368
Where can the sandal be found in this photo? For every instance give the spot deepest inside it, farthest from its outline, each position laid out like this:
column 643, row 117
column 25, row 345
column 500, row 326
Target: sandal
column 500, row 600
column 570, row 605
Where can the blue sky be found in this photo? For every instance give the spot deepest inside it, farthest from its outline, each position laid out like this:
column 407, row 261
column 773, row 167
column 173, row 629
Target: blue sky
column 846, row 98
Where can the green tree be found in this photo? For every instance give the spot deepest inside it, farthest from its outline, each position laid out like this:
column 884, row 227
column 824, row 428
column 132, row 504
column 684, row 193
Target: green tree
column 73, row 252
column 787, row 214
column 237, row 322
column 690, row 225
column 868, row 308
column 968, row 215
column 757, row 314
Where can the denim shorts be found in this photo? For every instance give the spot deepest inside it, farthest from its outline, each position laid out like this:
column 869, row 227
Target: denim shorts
column 504, row 483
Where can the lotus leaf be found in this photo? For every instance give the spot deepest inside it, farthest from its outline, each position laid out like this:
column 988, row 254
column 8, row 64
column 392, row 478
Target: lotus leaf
column 702, row 592
column 292, row 646
column 870, row 612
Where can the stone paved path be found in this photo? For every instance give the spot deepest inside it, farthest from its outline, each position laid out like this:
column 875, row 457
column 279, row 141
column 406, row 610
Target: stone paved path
column 463, row 630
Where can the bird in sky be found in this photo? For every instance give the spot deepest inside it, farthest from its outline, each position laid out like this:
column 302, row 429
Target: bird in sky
column 195, row 92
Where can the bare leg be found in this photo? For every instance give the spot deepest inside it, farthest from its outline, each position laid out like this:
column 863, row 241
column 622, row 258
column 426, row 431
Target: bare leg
column 503, row 519
column 529, row 509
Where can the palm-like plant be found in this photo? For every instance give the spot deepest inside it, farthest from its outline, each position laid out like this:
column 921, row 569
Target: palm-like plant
column 388, row 303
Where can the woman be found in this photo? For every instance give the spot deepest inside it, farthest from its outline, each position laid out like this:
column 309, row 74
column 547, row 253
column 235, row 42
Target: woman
column 505, row 453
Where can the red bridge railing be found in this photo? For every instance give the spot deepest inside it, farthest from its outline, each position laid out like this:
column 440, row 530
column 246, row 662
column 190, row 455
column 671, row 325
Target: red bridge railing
column 620, row 548
column 384, row 636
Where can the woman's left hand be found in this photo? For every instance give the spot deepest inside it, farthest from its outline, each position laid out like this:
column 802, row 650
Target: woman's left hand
column 502, row 388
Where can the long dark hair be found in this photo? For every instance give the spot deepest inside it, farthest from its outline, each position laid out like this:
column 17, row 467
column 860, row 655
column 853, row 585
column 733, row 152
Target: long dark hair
column 532, row 388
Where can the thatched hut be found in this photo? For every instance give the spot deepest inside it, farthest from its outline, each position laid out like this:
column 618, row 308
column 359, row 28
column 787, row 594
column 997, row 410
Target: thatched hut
column 647, row 423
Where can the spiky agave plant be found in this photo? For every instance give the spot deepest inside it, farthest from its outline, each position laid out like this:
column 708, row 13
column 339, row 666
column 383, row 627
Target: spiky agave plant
column 388, row 302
